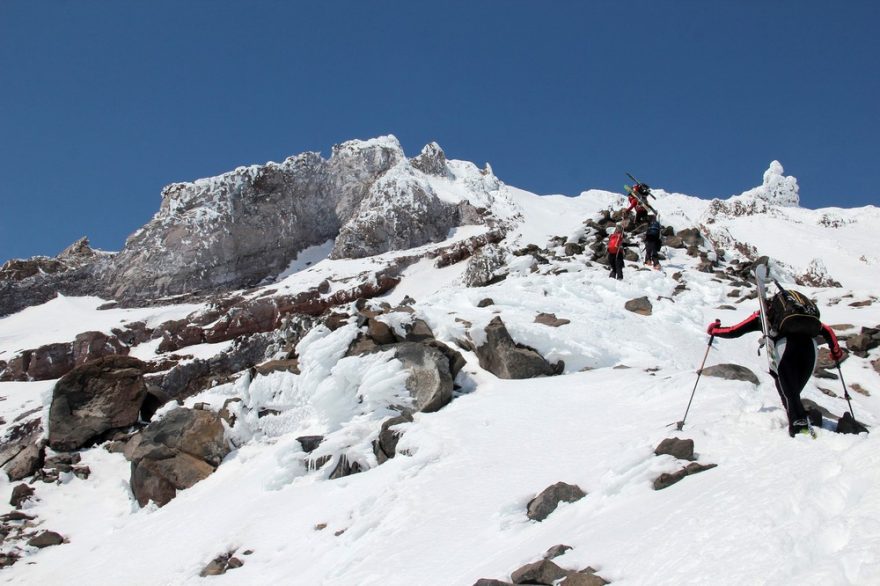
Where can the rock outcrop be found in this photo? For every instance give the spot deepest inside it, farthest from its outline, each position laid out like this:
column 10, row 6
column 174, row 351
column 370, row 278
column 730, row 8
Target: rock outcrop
column 505, row 358
column 94, row 398
column 174, row 453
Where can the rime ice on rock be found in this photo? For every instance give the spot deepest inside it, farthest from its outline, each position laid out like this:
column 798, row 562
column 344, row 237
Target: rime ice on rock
column 777, row 189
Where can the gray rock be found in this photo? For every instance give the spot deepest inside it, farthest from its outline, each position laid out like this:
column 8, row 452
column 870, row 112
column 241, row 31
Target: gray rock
column 430, row 379
column 46, row 539
column 94, row 398
column 506, row 359
column 345, row 467
column 432, row 160
column 540, row 572
column 573, row 248
column 491, row 582
column 411, row 215
column 640, row 305
column 485, row 302
column 485, row 267
column 310, row 443
column 731, row 372
column 677, row 448
column 541, row 506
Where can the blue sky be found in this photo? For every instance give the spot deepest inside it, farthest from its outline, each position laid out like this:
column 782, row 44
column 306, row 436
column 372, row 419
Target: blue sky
column 102, row 103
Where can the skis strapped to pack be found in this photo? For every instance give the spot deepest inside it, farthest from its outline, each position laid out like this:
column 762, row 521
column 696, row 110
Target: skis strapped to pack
column 760, row 282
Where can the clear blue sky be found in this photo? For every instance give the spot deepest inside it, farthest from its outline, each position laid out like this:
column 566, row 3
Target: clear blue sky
column 102, row 103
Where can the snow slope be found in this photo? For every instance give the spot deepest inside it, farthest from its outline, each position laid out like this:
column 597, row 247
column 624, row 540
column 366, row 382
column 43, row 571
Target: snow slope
column 450, row 508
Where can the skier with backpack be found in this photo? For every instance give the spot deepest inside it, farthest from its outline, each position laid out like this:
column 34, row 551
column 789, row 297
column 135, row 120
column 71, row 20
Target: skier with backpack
column 636, row 195
column 653, row 242
column 791, row 325
column 616, row 245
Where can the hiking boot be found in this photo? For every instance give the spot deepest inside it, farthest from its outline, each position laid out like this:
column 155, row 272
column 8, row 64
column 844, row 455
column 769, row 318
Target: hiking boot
column 796, row 427
column 815, row 417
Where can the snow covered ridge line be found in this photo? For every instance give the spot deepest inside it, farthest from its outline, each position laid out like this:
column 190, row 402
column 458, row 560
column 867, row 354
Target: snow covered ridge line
column 239, row 229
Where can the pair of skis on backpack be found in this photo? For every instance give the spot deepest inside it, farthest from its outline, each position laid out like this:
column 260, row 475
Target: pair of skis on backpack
column 641, row 196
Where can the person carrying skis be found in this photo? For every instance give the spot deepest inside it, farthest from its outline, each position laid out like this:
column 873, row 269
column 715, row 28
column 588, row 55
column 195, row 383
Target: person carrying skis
column 653, row 242
column 794, row 323
column 616, row 245
column 636, row 195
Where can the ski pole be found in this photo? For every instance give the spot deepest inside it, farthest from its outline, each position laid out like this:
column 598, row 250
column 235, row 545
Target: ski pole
column 680, row 425
column 845, row 392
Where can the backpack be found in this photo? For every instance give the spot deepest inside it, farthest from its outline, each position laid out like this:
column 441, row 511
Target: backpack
column 791, row 312
column 653, row 232
column 614, row 243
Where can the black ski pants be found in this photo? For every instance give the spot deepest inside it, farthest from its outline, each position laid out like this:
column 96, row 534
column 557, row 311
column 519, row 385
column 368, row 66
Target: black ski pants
column 652, row 249
column 616, row 262
column 795, row 369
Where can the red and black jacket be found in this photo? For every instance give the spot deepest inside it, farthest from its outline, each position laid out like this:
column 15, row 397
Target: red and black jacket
column 753, row 324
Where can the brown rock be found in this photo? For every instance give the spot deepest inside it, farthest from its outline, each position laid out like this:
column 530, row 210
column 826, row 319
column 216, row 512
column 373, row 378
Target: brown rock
column 541, row 572
column 666, row 480
column 90, row 346
column 640, row 305
column 550, row 319
column 93, row 398
column 540, row 507
column 46, row 539
column 20, row 493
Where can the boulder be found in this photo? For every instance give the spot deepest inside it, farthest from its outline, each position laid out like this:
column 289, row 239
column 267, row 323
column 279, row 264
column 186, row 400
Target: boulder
column 50, row 361
column 430, row 379
column 677, row 448
column 94, row 398
column 847, row 424
column 25, row 463
column 573, row 248
column 640, row 305
column 310, row 443
column 540, row 507
column 540, row 572
column 20, row 493
column 90, row 346
column 583, row 579
column 174, row 453
column 385, row 446
column 731, row 372
column 690, row 237
column 485, row 267
column 491, row 582
column 46, row 539
column 345, row 467
column 504, row 358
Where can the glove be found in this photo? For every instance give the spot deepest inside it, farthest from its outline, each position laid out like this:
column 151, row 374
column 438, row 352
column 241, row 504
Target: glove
column 713, row 327
column 836, row 354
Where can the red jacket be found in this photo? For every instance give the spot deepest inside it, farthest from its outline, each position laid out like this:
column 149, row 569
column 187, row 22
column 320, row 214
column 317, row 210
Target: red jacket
column 635, row 203
column 753, row 324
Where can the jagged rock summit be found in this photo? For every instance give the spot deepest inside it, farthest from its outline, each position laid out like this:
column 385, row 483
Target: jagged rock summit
column 241, row 228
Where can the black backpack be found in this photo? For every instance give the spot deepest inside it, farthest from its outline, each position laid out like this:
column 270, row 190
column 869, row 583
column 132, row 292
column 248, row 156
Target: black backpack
column 791, row 313
column 653, row 232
